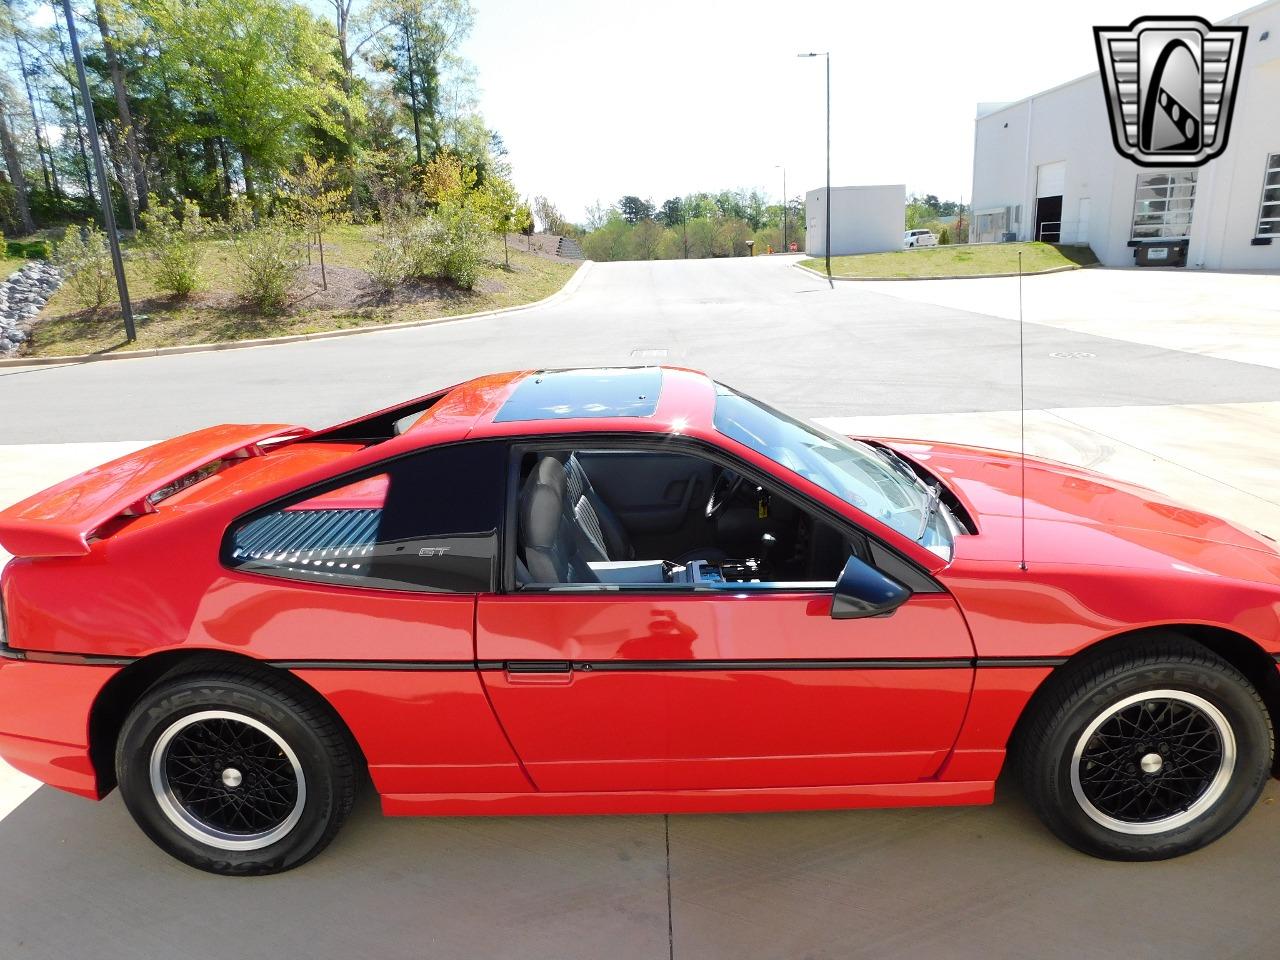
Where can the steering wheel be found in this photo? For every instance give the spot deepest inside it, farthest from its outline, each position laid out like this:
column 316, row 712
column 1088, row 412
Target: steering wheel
column 722, row 491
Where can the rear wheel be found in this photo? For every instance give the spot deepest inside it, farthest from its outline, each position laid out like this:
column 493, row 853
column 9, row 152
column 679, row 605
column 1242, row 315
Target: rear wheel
column 232, row 774
column 1146, row 753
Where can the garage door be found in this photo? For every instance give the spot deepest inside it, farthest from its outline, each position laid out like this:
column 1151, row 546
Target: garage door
column 1050, row 179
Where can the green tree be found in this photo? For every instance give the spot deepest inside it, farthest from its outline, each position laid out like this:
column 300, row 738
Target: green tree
column 612, row 241
column 13, row 164
column 124, row 113
column 732, row 236
column 671, row 212
column 646, row 238
column 506, row 211
column 320, row 202
column 546, row 213
column 262, row 71
column 634, row 209
column 703, row 237
column 416, row 50
column 918, row 214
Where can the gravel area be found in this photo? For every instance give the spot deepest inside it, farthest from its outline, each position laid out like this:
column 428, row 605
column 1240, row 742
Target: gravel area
column 21, row 297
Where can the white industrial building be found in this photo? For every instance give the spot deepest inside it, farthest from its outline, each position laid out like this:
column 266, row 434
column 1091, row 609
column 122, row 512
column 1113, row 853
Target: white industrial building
column 863, row 219
column 1045, row 168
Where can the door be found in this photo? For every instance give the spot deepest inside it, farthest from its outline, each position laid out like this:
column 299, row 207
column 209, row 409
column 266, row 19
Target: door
column 661, row 685
column 1051, row 179
column 1049, row 219
column 732, row 689
column 1082, row 222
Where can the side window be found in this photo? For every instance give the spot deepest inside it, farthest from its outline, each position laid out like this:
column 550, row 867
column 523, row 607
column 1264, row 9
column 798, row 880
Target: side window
column 1269, row 212
column 429, row 523
column 646, row 518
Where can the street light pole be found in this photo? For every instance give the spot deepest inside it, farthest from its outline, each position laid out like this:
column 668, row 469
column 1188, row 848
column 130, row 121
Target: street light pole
column 827, row 240
column 779, row 166
column 104, row 190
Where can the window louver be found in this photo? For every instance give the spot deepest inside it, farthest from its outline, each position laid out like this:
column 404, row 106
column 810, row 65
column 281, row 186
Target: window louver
column 314, row 540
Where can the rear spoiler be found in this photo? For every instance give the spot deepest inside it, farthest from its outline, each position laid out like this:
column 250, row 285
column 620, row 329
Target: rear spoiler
column 60, row 521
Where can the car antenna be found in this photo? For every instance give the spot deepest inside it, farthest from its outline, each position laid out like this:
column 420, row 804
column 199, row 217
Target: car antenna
column 1022, row 426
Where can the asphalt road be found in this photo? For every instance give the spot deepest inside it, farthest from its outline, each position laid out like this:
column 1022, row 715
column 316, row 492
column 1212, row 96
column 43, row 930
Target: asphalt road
column 759, row 325
column 78, row 879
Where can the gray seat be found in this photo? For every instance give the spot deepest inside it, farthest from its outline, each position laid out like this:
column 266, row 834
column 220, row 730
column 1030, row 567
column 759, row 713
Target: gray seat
column 604, row 536
column 549, row 535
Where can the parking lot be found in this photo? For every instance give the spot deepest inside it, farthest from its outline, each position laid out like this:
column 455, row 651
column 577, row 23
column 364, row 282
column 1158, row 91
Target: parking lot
column 1169, row 379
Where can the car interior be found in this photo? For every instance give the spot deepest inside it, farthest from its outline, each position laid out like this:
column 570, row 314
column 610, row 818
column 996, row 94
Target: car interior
column 638, row 517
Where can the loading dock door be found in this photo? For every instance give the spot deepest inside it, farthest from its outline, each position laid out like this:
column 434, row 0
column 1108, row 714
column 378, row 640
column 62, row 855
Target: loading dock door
column 1051, row 179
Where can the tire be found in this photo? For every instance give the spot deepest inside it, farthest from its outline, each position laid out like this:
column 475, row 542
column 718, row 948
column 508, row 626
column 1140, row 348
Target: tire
column 233, row 774
column 1148, row 752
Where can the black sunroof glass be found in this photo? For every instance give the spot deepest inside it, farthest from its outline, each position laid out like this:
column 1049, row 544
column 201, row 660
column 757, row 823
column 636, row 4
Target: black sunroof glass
column 568, row 394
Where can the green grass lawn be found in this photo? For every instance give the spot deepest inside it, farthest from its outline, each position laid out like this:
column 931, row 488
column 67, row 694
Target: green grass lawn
column 9, row 265
column 957, row 260
column 215, row 313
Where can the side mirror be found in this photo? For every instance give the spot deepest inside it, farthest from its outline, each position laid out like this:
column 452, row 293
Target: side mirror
column 863, row 591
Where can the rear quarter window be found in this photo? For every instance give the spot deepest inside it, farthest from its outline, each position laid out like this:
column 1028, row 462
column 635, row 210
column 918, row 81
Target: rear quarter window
column 428, row 522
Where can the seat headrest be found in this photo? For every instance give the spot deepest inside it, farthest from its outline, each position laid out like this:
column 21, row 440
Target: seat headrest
column 542, row 504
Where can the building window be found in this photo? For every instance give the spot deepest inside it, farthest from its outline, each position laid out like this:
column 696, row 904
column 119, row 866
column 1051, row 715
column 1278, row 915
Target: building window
column 1269, row 213
column 992, row 225
column 1162, row 205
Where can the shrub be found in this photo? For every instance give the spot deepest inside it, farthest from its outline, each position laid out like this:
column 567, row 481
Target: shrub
column 269, row 257
column 387, row 268
column 85, row 261
column 392, row 262
column 457, row 240
column 172, row 245
column 450, row 244
column 29, row 249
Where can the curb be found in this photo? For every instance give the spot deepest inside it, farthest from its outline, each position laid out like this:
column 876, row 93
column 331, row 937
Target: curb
column 573, row 283
column 957, row 276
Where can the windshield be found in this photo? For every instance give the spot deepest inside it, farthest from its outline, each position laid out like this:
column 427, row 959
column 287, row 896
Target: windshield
column 873, row 480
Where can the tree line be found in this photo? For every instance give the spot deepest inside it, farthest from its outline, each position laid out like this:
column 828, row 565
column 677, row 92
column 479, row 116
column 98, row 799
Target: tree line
column 722, row 224
column 220, row 101
column 696, row 225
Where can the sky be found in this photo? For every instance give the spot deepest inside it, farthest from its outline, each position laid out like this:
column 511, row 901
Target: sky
column 660, row 98
column 596, row 99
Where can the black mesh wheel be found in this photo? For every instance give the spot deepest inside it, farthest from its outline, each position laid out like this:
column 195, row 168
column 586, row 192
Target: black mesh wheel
column 234, row 772
column 1146, row 751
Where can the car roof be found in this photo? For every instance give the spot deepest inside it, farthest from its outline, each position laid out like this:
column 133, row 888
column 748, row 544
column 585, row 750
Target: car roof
column 608, row 399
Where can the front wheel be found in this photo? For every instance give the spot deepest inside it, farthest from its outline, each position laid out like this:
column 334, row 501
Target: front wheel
column 233, row 774
column 1148, row 753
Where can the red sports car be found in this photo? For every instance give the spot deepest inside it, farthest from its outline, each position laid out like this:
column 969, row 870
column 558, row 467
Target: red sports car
column 627, row 591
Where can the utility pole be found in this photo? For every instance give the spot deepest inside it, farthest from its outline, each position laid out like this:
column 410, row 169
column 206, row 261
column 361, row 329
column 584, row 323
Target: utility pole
column 827, row 248
column 779, row 166
column 104, row 189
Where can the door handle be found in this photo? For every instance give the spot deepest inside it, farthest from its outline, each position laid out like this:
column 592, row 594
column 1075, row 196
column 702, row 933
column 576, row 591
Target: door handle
column 544, row 672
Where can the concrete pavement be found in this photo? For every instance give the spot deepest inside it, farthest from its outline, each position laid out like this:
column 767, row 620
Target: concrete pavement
column 758, row 324
column 78, row 879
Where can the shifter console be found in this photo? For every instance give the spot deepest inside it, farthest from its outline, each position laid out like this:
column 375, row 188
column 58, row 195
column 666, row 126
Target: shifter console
column 712, row 572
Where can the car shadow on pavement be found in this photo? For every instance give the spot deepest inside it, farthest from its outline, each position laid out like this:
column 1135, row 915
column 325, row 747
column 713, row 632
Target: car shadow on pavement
column 78, row 879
